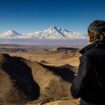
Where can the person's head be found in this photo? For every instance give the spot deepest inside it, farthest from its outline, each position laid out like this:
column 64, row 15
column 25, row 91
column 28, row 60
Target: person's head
column 96, row 31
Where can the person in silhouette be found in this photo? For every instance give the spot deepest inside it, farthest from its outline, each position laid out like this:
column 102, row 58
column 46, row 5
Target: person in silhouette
column 89, row 84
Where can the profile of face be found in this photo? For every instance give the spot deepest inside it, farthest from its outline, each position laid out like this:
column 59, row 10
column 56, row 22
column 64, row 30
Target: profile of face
column 89, row 41
column 97, row 29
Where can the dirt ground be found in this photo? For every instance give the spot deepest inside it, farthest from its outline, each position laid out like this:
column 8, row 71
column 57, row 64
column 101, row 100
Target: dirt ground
column 50, row 57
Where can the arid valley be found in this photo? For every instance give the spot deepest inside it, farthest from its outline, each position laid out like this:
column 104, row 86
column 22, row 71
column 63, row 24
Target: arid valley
column 31, row 75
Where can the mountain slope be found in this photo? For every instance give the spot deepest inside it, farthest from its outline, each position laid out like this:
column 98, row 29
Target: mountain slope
column 50, row 33
column 9, row 34
column 22, row 81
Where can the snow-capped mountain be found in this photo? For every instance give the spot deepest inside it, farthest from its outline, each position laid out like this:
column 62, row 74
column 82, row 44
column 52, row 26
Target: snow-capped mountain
column 50, row 33
column 9, row 34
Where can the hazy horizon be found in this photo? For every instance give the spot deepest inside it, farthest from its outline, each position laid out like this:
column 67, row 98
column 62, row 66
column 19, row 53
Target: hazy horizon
column 46, row 42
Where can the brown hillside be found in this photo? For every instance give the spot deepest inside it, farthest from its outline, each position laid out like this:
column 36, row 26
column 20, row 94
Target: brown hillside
column 23, row 81
column 16, row 81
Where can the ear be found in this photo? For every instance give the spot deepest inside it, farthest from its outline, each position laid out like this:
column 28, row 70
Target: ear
column 89, row 40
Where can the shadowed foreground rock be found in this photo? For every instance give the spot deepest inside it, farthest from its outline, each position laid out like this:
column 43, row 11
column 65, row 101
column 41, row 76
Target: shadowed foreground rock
column 63, row 102
column 16, row 81
column 23, row 82
column 54, row 81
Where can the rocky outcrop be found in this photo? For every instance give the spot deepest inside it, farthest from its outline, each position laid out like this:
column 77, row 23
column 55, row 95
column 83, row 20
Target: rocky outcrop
column 54, row 81
column 23, row 81
column 16, row 81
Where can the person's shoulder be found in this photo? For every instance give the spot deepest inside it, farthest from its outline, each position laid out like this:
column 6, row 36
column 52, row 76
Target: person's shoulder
column 89, row 50
column 96, row 50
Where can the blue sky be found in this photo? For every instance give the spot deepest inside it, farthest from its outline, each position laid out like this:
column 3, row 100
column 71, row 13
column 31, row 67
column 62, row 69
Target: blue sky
column 35, row 15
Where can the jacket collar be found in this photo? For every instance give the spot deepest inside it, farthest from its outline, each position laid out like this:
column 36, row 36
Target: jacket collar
column 98, row 44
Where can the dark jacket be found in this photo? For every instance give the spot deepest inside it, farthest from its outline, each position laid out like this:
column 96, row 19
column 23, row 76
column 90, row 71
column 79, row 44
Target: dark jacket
column 89, row 83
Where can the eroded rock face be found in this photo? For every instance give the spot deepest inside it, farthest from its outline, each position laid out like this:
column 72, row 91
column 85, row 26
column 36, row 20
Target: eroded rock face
column 54, row 81
column 22, row 81
column 63, row 102
column 16, row 81
column 9, row 94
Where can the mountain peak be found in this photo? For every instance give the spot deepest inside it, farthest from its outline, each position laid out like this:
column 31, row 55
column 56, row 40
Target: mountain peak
column 53, row 32
column 53, row 28
column 59, row 29
column 10, row 33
